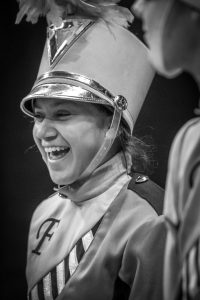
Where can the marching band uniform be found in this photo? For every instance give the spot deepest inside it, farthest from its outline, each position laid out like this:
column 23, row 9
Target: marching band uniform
column 99, row 239
column 123, row 256
column 182, row 207
column 171, row 26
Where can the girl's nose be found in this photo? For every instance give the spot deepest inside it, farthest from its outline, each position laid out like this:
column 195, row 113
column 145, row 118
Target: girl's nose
column 44, row 130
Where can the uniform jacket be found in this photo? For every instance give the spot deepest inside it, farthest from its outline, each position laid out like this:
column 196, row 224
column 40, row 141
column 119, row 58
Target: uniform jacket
column 123, row 261
column 182, row 211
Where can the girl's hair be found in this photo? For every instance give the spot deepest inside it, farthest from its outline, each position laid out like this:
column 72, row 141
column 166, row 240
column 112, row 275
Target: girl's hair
column 140, row 149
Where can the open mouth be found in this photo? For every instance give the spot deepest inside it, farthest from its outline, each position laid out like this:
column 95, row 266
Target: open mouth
column 55, row 153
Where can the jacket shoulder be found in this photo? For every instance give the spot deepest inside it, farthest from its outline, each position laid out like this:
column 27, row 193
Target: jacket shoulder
column 148, row 190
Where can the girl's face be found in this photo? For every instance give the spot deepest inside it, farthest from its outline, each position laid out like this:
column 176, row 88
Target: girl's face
column 172, row 33
column 68, row 135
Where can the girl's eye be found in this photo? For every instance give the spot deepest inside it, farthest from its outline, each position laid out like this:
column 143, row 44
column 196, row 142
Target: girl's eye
column 58, row 115
column 38, row 117
column 62, row 115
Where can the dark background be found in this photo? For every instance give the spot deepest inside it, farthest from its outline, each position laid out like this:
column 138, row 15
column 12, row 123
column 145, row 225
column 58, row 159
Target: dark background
column 25, row 181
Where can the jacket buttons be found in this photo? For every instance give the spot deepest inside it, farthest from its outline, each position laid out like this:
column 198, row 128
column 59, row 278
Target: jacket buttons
column 141, row 179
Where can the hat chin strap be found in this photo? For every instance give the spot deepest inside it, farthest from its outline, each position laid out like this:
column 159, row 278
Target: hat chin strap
column 120, row 104
column 105, row 147
column 102, row 152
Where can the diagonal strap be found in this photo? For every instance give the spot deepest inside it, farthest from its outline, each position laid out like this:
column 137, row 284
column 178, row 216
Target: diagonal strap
column 51, row 285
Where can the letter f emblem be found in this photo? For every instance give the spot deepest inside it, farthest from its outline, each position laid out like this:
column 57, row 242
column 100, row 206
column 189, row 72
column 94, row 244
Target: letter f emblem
column 47, row 234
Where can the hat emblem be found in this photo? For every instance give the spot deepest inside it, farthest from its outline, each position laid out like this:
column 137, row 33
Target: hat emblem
column 120, row 103
column 60, row 39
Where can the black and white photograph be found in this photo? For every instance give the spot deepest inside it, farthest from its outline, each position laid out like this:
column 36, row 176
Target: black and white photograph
column 101, row 149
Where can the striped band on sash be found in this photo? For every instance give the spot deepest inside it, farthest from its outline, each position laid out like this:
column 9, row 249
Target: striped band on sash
column 51, row 285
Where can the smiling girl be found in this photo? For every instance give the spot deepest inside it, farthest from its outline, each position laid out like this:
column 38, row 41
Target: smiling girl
column 97, row 237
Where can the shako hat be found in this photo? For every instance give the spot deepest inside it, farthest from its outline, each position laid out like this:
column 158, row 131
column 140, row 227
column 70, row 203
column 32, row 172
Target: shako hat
column 90, row 57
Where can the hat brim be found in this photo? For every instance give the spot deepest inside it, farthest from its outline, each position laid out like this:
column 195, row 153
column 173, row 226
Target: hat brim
column 72, row 90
